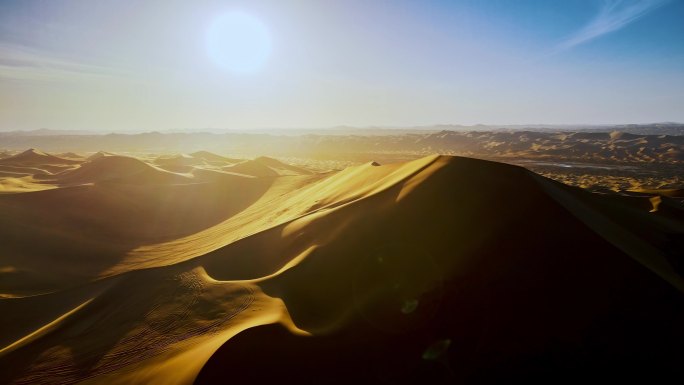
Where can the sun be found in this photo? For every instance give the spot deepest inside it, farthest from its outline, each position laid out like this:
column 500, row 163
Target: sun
column 238, row 42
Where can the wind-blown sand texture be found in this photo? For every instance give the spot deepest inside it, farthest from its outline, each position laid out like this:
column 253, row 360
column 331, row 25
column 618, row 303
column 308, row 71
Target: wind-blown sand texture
column 206, row 269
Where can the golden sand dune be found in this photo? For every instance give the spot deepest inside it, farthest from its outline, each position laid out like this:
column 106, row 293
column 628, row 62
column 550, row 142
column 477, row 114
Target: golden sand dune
column 265, row 167
column 282, row 168
column 99, row 154
column 438, row 270
column 211, row 157
column 13, row 182
column 121, row 169
column 673, row 193
column 71, row 155
column 37, row 157
column 180, row 160
column 35, row 162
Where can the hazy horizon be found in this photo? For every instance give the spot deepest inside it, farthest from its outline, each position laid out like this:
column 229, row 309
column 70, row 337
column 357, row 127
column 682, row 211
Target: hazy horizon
column 117, row 66
column 428, row 127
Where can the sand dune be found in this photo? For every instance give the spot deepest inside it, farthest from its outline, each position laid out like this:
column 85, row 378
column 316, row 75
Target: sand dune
column 251, row 167
column 121, row 169
column 36, row 162
column 265, row 167
column 71, row 155
column 100, row 154
column 282, row 168
column 178, row 160
column 211, row 157
column 438, row 270
column 673, row 193
column 37, row 157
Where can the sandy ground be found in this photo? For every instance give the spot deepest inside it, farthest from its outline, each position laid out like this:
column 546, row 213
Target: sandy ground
column 174, row 269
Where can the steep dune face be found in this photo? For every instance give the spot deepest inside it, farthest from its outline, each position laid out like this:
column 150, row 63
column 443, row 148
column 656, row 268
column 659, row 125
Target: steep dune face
column 454, row 256
column 439, row 270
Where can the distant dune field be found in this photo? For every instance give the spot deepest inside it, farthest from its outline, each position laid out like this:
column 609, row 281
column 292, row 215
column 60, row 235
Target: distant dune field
column 207, row 269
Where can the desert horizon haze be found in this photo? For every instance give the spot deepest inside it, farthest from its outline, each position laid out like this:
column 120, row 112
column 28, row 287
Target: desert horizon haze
column 341, row 192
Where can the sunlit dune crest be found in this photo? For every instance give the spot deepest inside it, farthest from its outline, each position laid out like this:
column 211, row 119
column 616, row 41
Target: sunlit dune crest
column 37, row 157
column 188, row 268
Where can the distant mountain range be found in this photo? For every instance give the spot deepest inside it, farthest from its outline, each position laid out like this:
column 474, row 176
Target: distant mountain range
column 663, row 128
column 616, row 146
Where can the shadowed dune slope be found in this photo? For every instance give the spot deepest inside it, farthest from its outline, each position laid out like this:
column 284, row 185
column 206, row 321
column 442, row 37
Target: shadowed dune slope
column 266, row 167
column 35, row 162
column 71, row 155
column 121, row 169
column 100, row 154
column 96, row 214
column 178, row 161
column 439, row 270
column 211, row 157
column 282, row 168
column 251, row 167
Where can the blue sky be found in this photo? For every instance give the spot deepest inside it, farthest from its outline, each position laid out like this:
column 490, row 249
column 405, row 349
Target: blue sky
column 120, row 65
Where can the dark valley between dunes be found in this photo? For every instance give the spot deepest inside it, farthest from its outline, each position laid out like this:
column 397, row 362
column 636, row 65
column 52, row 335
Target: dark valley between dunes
column 209, row 269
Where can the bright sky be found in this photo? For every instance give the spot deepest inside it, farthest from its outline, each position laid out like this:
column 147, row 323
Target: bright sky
column 125, row 65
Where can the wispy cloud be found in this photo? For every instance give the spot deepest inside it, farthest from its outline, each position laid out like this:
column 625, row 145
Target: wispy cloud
column 613, row 15
column 27, row 64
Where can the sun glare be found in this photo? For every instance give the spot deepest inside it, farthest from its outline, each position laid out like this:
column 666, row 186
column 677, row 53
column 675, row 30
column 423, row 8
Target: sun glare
column 238, row 42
